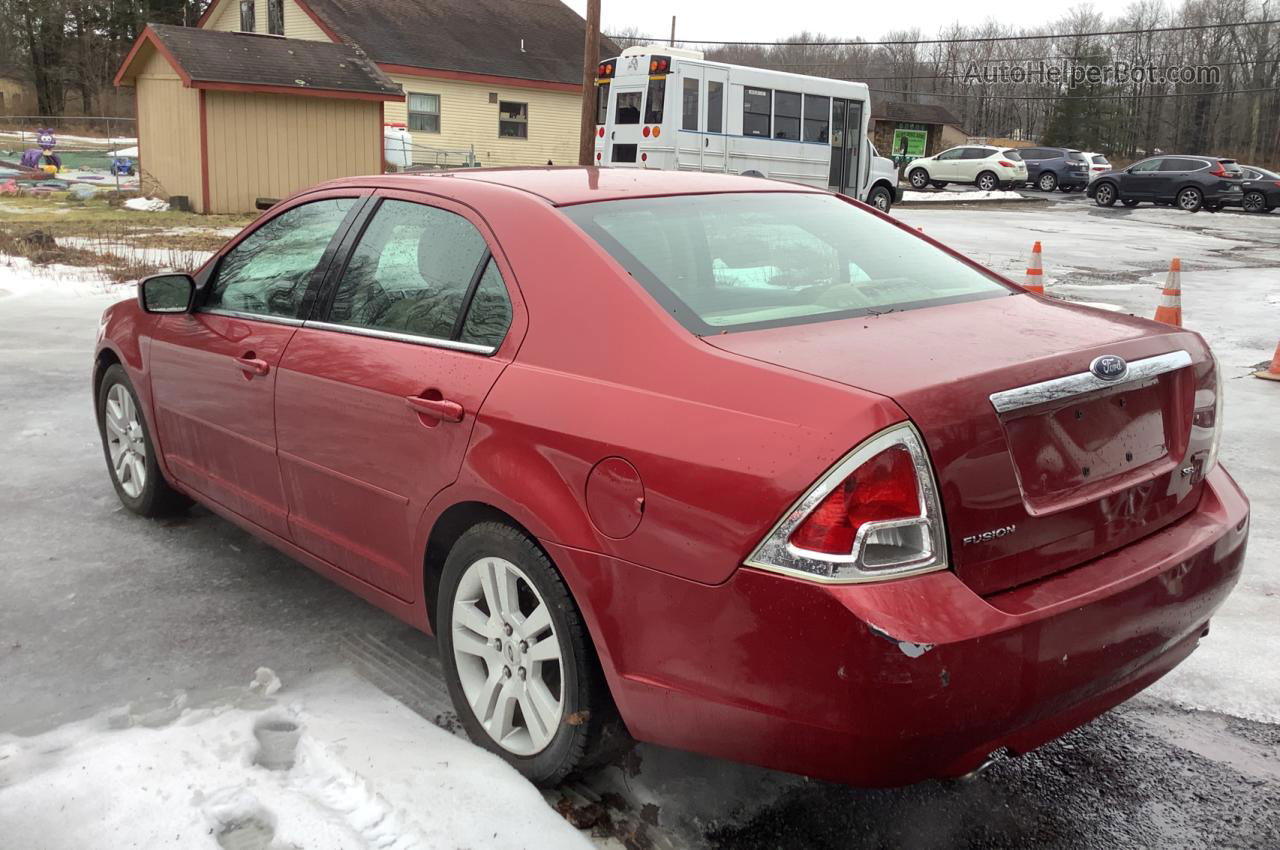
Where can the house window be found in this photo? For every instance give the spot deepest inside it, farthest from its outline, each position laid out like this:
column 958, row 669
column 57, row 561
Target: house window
column 275, row 17
column 246, row 15
column 513, row 120
column 757, row 107
column 424, row 113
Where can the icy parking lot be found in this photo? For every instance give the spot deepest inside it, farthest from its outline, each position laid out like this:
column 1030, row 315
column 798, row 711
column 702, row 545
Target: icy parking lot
column 128, row 647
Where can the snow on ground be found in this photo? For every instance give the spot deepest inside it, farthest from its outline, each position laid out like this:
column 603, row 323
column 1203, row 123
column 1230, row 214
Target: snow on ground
column 368, row 773
column 18, row 276
column 954, row 197
column 147, row 204
column 174, row 259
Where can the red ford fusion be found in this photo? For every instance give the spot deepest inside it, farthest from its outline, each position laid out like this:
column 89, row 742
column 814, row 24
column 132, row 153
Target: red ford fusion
column 732, row 465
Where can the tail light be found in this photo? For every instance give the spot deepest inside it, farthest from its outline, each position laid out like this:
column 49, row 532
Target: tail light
column 659, row 64
column 1006, row 163
column 1278, row 184
column 874, row 516
column 1218, row 172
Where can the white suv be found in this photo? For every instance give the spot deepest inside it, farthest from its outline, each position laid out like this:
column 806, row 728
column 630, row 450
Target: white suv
column 984, row 166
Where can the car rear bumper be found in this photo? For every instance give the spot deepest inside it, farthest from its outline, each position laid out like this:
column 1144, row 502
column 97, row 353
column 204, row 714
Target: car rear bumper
column 896, row 682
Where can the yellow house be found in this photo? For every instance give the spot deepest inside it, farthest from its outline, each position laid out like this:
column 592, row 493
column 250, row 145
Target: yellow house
column 495, row 81
column 229, row 121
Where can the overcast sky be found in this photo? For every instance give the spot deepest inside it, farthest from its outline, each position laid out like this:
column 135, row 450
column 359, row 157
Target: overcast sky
column 736, row 20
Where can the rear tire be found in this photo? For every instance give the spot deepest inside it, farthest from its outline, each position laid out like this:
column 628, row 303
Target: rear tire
column 1255, row 202
column 919, row 178
column 130, row 451
column 1190, row 199
column 513, row 644
column 987, row 181
column 1048, row 181
column 1105, row 195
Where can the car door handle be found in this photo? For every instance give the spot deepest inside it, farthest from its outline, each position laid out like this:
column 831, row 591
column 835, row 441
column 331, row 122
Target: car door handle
column 252, row 366
column 437, row 408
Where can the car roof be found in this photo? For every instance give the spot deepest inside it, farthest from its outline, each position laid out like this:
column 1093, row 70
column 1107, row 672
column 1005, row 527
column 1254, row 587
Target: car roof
column 566, row 185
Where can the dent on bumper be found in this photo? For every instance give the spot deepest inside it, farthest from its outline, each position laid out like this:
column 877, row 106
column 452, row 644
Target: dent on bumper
column 893, row 683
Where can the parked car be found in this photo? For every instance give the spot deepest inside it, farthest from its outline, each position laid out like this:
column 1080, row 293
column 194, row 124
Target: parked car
column 1260, row 192
column 1056, row 168
column 1098, row 164
column 1189, row 182
column 986, row 167
column 882, row 186
column 675, row 454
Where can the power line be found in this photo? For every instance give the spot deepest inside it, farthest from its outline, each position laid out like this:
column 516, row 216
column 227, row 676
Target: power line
column 972, row 40
column 1048, row 60
column 1061, row 96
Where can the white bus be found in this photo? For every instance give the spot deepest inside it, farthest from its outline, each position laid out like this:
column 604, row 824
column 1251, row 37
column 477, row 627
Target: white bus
column 671, row 109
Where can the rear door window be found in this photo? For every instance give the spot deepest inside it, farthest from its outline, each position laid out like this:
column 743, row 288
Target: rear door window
column 1174, row 163
column 656, row 102
column 626, row 109
column 269, row 271
column 415, row 271
column 976, row 153
column 739, row 261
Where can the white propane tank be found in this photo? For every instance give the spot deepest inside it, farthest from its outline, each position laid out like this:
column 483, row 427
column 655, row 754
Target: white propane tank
column 397, row 146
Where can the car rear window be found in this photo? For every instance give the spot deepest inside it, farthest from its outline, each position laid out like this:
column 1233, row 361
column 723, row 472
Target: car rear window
column 1100, row 160
column 1012, row 155
column 1231, row 167
column 1076, row 156
column 741, row 261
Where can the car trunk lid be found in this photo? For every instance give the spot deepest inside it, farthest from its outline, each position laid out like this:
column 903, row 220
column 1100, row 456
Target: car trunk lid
column 1041, row 465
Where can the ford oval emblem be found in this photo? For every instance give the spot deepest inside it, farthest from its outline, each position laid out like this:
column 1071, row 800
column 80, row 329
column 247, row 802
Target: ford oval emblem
column 1109, row 367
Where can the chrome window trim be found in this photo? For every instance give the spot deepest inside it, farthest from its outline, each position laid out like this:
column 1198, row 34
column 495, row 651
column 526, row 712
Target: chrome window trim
column 256, row 317
column 1086, row 382
column 396, row 336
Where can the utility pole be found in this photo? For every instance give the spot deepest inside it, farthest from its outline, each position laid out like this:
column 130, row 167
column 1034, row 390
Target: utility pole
column 590, row 61
column 672, row 42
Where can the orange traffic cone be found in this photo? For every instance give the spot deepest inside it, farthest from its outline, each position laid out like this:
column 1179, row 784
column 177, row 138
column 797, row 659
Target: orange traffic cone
column 1170, row 309
column 1035, row 281
column 1272, row 372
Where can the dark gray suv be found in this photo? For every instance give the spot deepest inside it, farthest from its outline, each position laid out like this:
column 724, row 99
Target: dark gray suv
column 1056, row 168
column 1188, row 182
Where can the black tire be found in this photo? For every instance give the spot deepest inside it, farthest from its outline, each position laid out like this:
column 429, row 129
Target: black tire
column 987, row 181
column 919, row 178
column 880, row 198
column 1130, row 202
column 157, row 498
column 1254, row 202
column 1105, row 195
column 1047, row 181
column 588, row 715
column 1190, row 199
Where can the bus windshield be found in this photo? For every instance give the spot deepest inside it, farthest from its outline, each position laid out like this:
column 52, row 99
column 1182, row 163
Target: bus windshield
column 742, row 261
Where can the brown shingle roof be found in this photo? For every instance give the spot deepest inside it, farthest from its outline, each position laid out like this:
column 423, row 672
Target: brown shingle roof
column 211, row 56
column 524, row 39
column 914, row 113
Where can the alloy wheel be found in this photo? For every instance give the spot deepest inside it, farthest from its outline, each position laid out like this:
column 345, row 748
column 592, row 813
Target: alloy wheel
column 1048, row 182
column 1189, row 199
column 1105, row 196
column 508, row 655
column 986, row 182
column 919, row 178
column 126, row 443
column 1254, row 202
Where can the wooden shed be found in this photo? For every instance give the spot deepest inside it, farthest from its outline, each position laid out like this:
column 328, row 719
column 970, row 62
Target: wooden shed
column 227, row 118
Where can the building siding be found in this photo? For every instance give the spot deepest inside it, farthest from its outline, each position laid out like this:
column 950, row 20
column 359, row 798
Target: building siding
column 467, row 119
column 270, row 145
column 169, row 130
column 297, row 23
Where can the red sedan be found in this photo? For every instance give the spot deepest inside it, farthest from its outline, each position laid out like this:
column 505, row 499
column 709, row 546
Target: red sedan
column 740, row 467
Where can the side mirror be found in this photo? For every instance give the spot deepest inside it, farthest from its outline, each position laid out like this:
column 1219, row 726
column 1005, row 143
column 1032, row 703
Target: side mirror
column 166, row 293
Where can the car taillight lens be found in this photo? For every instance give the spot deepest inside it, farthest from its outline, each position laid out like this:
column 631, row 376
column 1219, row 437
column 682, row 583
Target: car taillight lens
column 1218, row 172
column 1006, row 163
column 1278, row 184
column 874, row 516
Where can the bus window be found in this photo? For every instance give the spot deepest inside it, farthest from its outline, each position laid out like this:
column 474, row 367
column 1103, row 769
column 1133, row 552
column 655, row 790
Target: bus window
column 817, row 117
column 626, row 108
column 786, row 115
column 689, row 114
column 657, row 99
column 715, row 107
column 602, row 103
column 757, row 106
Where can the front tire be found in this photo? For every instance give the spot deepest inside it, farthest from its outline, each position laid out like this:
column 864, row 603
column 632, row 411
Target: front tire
column 1048, row 181
column 130, row 450
column 516, row 655
column 987, row 181
column 1105, row 195
column 919, row 178
column 1190, row 199
column 880, row 198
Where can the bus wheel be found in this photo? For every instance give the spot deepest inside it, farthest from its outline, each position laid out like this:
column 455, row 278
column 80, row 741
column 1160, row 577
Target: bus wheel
column 880, row 198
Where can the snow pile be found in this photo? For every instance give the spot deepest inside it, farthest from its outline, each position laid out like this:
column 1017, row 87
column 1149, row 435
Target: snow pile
column 961, row 197
column 147, row 204
column 367, row 773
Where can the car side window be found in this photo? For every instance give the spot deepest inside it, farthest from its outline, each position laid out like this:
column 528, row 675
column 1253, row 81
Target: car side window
column 1175, row 164
column 489, row 313
column 412, row 272
column 1032, row 153
column 268, row 272
column 954, row 153
column 976, row 153
column 1148, row 166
